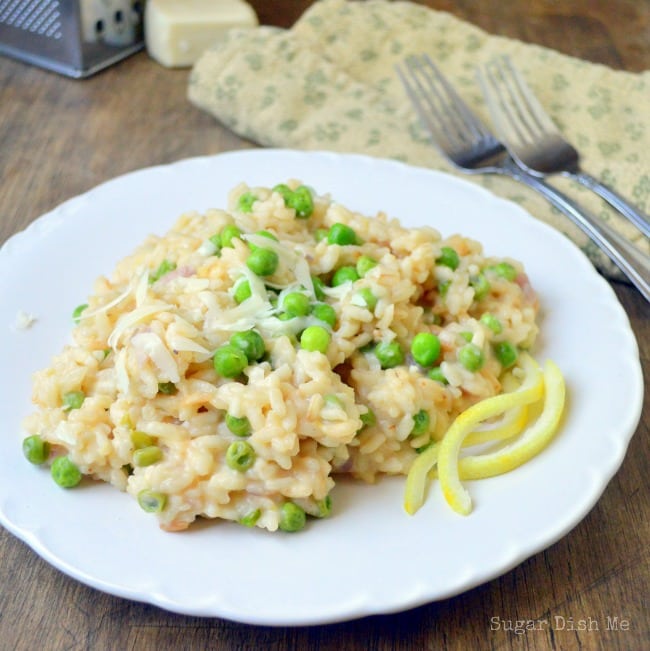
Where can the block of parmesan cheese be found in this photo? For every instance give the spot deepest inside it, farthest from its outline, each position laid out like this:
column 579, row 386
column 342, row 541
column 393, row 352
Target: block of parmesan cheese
column 177, row 32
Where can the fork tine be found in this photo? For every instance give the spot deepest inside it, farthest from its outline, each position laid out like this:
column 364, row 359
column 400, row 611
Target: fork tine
column 535, row 108
column 441, row 109
column 503, row 85
column 461, row 114
column 428, row 103
column 422, row 103
column 507, row 117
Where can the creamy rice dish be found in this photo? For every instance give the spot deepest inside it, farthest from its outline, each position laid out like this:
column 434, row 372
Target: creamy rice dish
column 236, row 366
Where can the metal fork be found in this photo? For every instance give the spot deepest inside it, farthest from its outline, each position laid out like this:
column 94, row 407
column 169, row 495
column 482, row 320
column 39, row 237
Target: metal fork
column 534, row 140
column 463, row 139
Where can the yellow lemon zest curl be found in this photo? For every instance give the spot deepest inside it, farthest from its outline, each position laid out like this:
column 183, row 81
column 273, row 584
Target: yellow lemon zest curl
column 523, row 438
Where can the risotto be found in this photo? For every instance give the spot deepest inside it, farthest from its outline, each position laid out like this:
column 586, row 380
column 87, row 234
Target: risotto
column 237, row 365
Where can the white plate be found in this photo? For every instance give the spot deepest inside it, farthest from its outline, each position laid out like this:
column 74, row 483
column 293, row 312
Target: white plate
column 370, row 557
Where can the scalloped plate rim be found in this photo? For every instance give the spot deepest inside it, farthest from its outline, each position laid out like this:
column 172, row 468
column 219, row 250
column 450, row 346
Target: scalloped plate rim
column 361, row 603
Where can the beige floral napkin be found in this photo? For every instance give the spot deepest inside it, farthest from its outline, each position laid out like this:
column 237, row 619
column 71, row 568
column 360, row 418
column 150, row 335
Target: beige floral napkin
column 329, row 83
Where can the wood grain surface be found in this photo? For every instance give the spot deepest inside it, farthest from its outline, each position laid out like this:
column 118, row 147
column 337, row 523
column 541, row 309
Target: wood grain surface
column 60, row 137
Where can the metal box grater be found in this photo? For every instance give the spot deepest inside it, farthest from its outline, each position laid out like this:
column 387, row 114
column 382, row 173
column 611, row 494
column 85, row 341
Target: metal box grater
column 73, row 37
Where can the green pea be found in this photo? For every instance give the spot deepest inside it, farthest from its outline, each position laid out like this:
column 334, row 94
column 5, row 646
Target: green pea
column 301, row 201
column 325, row 312
column 481, row 286
column 467, row 336
column 250, row 342
column 364, row 265
column 250, row 519
column 296, row 304
column 448, row 258
column 242, row 291
column 263, row 262
column 315, row 338
column 319, row 287
column 471, row 357
column 268, row 235
column 389, row 354
column 491, row 322
column 424, row 447
column 425, row 348
column 443, row 288
column 324, row 507
column 341, row 234
column 76, row 313
column 152, row 501
column 240, row 455
column 344, row 275
column 73, row 400
column 228, row 234
column 421, row 423
column 163, row 268
column 369, row 299
column 147, row 456
column 238, row 426
column 229, row 361
column 320, row 234
column 141, row 439
column 35, row 449
column 506, row 353
column 437, row 375
column 216, row 242
column 284, row 190
column 168, row 388
column 246, row 201
column 292, row 517
column 65, row 472
column 368, row 419
column 504, row 270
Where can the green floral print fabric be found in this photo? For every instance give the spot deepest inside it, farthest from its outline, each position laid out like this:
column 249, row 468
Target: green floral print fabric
column 329, row 83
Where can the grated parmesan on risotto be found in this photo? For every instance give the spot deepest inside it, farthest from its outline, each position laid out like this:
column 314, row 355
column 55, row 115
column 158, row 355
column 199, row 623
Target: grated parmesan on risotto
column 236, row 366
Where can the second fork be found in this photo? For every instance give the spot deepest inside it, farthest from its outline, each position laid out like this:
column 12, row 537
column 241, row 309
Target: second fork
column 533, row 139
column 464, row 140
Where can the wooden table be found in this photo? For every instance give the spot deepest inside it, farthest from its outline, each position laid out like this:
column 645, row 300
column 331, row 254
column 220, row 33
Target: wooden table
column 60, row 137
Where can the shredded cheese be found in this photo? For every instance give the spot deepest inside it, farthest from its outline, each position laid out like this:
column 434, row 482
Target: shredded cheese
column 290, row 259
column 274, row 327
column 134, row 317
column 121, row 374
column 207, row 248
column 24, row 321
column 88, row 313
column 185, row 344
column 303, row 275
column 153, row 347
column 242, row 317
column 142, row 289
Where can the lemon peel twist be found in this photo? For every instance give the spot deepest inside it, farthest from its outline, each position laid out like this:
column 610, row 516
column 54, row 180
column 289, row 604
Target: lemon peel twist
column 531, row 442
column 514, row 410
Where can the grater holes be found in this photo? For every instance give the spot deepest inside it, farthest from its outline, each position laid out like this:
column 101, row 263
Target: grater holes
column 39, row 17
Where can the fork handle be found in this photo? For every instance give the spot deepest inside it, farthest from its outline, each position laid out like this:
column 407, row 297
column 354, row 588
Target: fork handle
column 632, row 261
column 633, row 214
